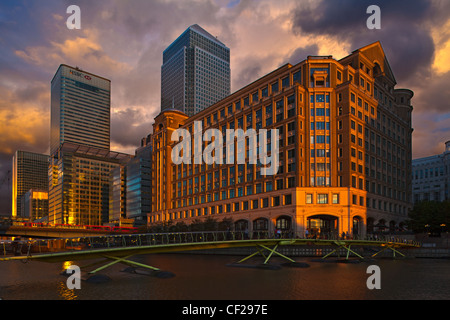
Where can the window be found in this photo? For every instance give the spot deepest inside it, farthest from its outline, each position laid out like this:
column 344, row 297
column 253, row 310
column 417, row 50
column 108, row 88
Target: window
column 264, row 92
column 320, row 112
column 276, row 201
column 255, row 97
column 309, row 198
column 279, row 183
column 275, row 87
column 320, row 125
column 335, row 198
column 288, row 199
column 291, row 182
column 322, row 198
column 320, row 98
column 296, row 77
column 265, row 202
column 285, row 82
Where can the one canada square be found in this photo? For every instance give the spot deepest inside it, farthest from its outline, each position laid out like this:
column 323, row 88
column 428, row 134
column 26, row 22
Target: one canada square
column 195, row 72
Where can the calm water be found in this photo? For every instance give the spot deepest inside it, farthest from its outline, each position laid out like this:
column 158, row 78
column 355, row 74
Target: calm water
column 208, row 277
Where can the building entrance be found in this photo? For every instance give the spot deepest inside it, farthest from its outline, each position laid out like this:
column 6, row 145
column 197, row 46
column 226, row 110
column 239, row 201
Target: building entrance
column 323, row 226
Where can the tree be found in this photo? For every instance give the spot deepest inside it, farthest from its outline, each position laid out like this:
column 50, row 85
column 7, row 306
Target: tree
column 430, row 216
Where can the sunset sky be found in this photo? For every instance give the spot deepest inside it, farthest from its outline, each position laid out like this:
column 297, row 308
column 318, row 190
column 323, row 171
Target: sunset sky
column 123, row 40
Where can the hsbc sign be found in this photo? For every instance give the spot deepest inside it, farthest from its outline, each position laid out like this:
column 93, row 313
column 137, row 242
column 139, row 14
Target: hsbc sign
column 79, row 74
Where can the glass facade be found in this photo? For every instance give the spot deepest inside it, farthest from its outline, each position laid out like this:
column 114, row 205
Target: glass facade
column 195, row 72
column 79, row 180
column 80, row 109
column 139, row 185
column 29, row 172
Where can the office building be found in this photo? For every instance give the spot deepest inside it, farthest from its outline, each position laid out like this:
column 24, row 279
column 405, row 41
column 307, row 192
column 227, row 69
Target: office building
column 117, row 195
column 195, row 72
column 139, row 184
column 78, row 180
column 344, row 152
column 35, row 204
column 431, row 177
column 29, row 171
column 80, row 108
column 130, row 188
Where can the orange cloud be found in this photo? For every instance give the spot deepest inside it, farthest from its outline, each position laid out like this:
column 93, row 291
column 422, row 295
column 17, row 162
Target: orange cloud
column 82, row 49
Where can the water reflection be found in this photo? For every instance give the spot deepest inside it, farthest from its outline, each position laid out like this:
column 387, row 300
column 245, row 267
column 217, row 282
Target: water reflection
column 63, row 291
column 208, row 277
column 66, row 293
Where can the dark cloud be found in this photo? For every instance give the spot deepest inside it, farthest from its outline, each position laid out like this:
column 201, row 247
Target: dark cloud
column 129, row 126
column 302, row 53
column 404, row 33
column 345, row 18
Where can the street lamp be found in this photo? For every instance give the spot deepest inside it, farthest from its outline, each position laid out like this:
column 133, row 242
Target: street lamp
column 427, row 229
column 443, row 227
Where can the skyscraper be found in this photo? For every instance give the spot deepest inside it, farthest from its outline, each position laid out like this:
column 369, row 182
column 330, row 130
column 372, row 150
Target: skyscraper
column 80, row 108
column 29, row 172
column 195, row 72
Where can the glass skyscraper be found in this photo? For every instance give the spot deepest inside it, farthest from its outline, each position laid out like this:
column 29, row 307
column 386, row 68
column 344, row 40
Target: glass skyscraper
column 29, row 172
column 195, row 72
column 80, row 109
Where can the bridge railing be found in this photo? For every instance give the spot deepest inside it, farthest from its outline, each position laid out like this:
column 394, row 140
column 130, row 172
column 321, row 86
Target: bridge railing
column 32, row 247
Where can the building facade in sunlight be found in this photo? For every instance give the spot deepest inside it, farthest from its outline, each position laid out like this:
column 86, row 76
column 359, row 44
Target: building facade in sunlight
column 29, row 171
column 195, row 72
column 79, row 180
column 344, row 152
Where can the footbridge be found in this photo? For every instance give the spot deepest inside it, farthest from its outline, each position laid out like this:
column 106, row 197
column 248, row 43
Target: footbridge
column 112, row 249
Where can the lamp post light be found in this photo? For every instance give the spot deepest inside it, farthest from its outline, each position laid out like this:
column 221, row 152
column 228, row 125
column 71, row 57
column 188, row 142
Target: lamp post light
column 443, row 227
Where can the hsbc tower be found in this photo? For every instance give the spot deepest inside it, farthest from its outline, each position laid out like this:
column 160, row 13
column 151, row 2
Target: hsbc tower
column 80, row 109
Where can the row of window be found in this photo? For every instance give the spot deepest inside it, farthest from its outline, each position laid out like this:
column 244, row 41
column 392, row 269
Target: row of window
column 239, row 206
column 266, row 110
column 325, row 198
column 226, row 194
